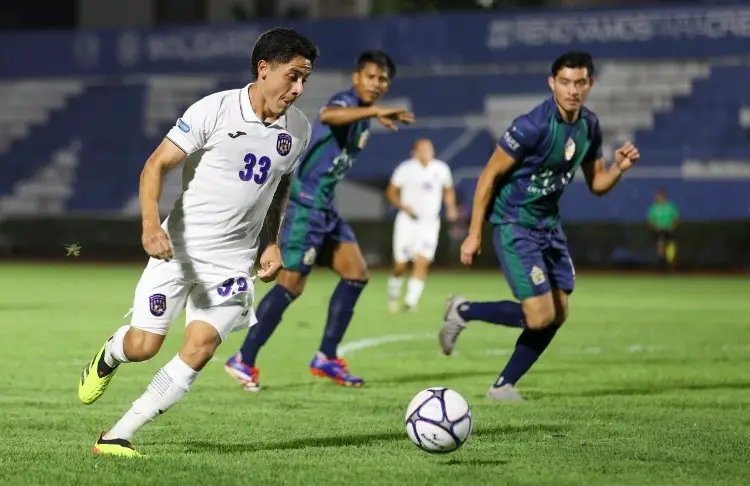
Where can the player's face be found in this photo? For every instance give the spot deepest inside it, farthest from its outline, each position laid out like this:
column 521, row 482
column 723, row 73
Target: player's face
column 282, row 84
column 424, row 151
column 570, row 87
column 371, row 82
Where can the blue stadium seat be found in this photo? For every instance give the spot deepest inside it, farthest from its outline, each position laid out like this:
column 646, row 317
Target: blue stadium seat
column 703, row 126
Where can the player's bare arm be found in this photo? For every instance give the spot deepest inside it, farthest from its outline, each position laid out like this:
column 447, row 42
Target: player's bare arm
column 499, row 164
column 271, row 261
column 449, row 199
column 601, row 178
column 275, row 215
column 394, row 197
column 345, row 115
column 166, row 157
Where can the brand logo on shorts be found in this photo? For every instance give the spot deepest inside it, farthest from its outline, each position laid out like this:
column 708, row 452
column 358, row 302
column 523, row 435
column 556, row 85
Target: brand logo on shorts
column 310, row 256
column 570, row 149
column 157, row 304
column 284, row 144
column 537, row 275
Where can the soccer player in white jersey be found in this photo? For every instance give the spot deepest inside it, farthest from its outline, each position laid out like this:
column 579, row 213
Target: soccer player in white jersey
column 418, row 187
column 240, row 149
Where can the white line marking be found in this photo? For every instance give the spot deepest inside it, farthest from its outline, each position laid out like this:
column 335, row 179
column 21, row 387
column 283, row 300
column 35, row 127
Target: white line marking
column 360, row 344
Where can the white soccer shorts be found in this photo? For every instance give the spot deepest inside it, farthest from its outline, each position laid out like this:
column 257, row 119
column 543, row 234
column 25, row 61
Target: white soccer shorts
column 413, row 238
column 208, row 293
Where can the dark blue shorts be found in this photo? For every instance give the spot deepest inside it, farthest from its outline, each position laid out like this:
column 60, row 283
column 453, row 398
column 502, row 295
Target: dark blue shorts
column 534, row 261
column 307, row 233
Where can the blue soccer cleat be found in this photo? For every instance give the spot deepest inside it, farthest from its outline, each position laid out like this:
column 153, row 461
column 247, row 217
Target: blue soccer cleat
column 336, row 370
column 248, row 376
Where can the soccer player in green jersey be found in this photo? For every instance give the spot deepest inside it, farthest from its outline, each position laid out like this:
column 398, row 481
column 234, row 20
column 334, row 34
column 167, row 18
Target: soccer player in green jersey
column 519, row 188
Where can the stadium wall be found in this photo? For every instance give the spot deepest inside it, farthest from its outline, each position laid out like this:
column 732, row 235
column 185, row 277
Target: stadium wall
column 433, row 43
column 645, row 32
column 702, row 246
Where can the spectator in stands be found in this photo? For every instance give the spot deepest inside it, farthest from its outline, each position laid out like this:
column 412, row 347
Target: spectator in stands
column 663, row 218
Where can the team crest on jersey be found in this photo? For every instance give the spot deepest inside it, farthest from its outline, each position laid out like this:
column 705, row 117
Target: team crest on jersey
column 157, row 304
column 537, row 275
column 310, row 256
column 363, row 139
column 284, row 144
column 570, row 149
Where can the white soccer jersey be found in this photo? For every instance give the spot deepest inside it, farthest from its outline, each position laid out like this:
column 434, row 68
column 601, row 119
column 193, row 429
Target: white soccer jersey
column 421, row 186
column 234, row 165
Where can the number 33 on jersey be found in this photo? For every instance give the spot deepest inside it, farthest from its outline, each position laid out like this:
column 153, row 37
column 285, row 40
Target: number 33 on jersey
column 234, row 165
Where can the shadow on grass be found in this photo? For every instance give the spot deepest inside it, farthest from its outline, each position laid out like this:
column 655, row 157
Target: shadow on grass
column 474, row 461
column 351, row 440
column 654, row 389
column 425, row 378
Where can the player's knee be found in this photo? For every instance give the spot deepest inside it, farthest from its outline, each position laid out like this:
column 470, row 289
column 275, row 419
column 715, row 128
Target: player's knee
column 140, row 345
column 294, row 282
column 197, row 356
column 539, row 312
column 561, row 315
column 349, row 263
column 539, row 320
column 399, row 269
column 353, row 269
column 421, row 267
column 200, row 344
column 355, row 273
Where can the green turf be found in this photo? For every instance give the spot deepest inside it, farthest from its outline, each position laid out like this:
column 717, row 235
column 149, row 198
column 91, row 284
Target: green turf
column 648, row 383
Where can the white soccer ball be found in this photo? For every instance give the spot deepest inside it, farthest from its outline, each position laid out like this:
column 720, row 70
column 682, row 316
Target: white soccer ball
column 438, row 420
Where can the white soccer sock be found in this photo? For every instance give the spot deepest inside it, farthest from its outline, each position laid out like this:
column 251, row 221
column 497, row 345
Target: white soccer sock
column 168, row 387
column 394, row 287
column 114, row 353
column 413, row 292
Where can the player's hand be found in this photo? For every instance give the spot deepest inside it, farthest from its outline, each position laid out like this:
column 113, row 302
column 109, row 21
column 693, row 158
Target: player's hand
column 270, row 263
column 451, row 216
column 626, row 156
column 471, row 246
column 409, row 211
column 156, row 243
column 389, row 116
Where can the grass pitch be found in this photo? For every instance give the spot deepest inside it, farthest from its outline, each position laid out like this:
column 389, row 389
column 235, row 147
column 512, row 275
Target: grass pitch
column 648, row 383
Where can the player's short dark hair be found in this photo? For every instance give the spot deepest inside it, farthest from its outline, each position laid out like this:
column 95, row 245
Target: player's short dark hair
column 379, row 58
column 280, row 46
column 574, row 60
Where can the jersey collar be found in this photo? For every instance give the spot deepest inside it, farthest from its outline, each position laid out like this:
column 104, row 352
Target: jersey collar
column 249, row 115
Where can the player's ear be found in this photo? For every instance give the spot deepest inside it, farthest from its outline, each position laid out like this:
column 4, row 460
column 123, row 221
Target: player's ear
column 263, row 68
column 355, row 78
column 551, row 82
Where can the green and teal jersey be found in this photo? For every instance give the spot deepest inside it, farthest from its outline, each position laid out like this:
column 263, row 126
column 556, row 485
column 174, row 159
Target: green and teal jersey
column 663, row 215
column 548, row 151
column 329, row 156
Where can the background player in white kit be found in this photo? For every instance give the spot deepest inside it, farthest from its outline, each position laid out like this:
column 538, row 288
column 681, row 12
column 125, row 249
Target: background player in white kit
column 418, row 187
column 242, row 147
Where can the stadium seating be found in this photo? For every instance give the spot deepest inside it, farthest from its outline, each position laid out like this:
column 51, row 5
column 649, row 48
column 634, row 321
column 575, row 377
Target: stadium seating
column 74, row 145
